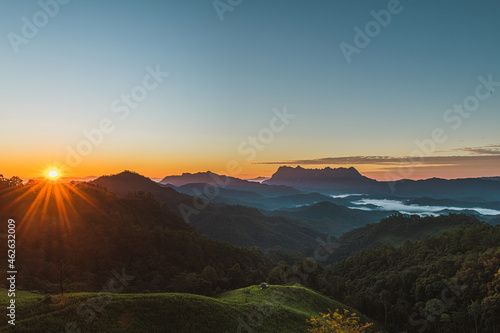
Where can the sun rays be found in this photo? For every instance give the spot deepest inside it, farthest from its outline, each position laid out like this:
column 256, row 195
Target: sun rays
column 51, row 196
column 59, row 203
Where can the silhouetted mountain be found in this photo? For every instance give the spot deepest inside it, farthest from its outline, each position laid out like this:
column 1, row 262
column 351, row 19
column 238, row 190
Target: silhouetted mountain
column 75, row 235
column 491, row 178
column 238, row 225
column 332, row 218
column 226, row 182
column 340, row 179
column 246, row 226
column 349, row 180
column 303, row 199
column 224, row 195
column 458, row 189
column 254, row 199
column 265, row 203
column 128, row 181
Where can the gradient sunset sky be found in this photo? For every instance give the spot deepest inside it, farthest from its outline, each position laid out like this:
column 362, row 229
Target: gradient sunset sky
column 228, row 78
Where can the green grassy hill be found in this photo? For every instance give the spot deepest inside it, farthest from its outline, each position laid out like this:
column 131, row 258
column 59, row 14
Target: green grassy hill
column 275, row 309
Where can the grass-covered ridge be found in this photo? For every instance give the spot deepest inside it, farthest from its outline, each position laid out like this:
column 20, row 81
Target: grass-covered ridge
column 251, row 309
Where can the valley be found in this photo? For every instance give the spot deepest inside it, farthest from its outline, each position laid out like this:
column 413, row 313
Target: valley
column 296, row 240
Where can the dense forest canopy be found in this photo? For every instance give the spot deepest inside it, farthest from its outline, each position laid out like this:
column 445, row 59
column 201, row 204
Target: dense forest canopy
column 79, row 233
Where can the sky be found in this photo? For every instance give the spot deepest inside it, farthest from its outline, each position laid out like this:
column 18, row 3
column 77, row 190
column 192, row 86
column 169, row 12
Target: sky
column 407, row 89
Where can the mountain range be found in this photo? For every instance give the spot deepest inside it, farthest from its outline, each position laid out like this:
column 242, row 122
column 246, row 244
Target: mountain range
column 278, row 215
column 74, row 237
column 226, row 182
column 295, row 223
column 235, row 224
column 349, row 180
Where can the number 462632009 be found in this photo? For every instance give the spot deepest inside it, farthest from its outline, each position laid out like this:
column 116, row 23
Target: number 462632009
column 11, row 240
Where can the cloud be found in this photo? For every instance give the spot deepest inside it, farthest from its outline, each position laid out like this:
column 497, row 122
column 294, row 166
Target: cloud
column 483, row 150
column 490, row 157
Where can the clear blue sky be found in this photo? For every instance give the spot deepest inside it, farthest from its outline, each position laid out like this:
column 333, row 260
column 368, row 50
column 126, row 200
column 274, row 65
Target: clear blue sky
column 226, row 77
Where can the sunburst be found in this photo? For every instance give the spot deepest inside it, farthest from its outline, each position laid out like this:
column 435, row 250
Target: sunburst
column 52, row 173
column 51, row 196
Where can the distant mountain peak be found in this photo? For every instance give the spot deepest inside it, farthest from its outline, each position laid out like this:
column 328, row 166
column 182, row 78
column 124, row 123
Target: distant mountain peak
column 226, row 182
column 127, row 174
column 207, row 177
column 125, row 178
column 130, row 181
column 334, row 178
column 328, row 171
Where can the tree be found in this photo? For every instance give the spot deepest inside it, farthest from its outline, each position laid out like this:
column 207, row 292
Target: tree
column 491, row 309
column 336, row 322
column 384, row 299
column 15, row 181
column 61, row 270
column 474, row 310
column 209, row 274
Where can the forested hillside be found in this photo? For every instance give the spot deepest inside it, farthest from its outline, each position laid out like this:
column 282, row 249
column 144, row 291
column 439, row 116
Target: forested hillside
column 77, row 234
column 415, row 274
column 449, row 283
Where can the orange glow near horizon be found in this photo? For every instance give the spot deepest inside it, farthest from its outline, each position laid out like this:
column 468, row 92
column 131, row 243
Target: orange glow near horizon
column 162, row 167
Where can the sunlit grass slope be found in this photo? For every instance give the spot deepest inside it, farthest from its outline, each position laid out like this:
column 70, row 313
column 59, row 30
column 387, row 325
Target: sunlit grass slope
column 251, row 309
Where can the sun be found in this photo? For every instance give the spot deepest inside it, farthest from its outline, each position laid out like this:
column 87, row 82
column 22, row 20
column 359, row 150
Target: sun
column 53, row 174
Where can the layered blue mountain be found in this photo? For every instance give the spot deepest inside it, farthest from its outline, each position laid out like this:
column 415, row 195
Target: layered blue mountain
column 349, row 180
column 226, row 182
